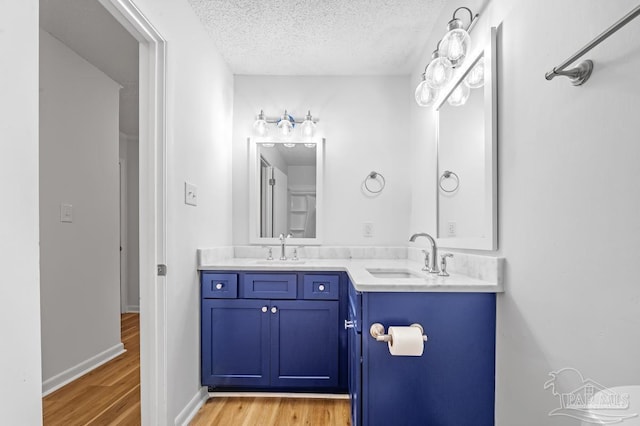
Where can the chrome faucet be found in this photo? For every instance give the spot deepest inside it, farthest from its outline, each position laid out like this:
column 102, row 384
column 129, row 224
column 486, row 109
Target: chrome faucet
column 433, row 258
column 283, row 243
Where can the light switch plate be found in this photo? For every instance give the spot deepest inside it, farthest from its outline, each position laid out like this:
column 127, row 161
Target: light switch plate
column 66, row 213
column 190, row 194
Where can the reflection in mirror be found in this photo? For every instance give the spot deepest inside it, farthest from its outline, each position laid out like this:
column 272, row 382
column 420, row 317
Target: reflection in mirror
column 467, row 160
column 287, row 190
column 460, row 164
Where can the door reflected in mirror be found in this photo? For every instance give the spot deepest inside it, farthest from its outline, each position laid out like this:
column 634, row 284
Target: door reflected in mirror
column 287, row 190
column 285, row 187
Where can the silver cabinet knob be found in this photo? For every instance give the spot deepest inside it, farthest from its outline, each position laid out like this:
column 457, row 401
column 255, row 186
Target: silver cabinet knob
column 274, row 310
column 219, row 286
column 265, row 309
column 321, row 287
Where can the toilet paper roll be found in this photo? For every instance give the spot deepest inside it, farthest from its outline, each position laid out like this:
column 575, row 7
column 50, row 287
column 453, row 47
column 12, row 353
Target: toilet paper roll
column 406, row 341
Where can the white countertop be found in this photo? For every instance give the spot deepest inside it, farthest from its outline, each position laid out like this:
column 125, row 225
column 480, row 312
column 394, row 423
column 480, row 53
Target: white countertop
column 361, row 278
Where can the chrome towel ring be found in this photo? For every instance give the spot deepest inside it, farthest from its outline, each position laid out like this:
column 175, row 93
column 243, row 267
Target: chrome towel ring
column 376, row 177
column 449, row 175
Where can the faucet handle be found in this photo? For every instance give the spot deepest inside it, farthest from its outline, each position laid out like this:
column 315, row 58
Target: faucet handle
column 270, row 253
column 295, row 254
column 443, row 265
column 426, row 261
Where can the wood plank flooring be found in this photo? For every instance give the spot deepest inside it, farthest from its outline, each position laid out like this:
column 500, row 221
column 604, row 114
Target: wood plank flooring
column 108, row 395
column 273, row 411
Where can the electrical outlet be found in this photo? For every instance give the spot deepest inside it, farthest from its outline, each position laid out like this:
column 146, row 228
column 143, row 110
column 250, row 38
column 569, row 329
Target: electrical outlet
column 367, row 229
column 452, row 229
column 190, row 194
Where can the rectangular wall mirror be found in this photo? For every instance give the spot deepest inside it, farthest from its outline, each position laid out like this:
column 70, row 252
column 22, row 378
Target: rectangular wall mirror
column 467, row 156
column 285, row 179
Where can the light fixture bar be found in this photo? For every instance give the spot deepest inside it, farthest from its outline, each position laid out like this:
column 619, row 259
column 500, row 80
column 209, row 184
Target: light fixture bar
column 581, row 73
column 473, row 19
column 274, row 120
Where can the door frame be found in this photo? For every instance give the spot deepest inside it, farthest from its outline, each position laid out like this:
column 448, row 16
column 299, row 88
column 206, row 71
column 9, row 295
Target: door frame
column 124, row 222
column 153, row 207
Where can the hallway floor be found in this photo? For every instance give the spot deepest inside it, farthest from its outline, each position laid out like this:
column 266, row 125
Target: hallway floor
column 110, row 394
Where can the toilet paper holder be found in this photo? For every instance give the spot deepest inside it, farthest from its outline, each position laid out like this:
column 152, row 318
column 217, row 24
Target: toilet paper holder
column 377, row 332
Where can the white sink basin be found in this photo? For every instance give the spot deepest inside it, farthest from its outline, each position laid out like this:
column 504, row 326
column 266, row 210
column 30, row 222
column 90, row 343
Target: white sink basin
column 393, row 273
column 280, row 262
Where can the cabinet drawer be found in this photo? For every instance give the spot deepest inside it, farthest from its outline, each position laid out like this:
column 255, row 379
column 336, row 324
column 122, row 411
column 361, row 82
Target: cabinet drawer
column 323, row 287
column 269, row 286
column 219, row 286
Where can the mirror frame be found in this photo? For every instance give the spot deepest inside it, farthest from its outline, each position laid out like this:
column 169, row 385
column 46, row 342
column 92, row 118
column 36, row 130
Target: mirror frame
column 490, row 242
column 254, row 192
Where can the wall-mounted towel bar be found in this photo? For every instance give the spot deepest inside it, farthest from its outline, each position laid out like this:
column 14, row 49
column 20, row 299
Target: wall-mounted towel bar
column 581, row 73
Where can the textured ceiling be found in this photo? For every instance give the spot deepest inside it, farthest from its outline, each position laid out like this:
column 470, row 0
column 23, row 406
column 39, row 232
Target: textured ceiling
column 319, row 37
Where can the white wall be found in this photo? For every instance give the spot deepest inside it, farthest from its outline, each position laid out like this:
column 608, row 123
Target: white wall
column 365, row 123
column 21, row 384
column 199, row 119
column 568, row 207
column 79, row 261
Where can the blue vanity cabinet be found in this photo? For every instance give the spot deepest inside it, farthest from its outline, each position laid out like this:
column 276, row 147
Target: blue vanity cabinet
column 355, row 356
column 452, row 383
column 235, row 343
column 273, row 331
column 304, row 352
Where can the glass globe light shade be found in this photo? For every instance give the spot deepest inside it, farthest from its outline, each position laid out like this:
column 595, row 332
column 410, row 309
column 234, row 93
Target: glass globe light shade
column 260, row 125
column 308, row 127
column 438, row 72
column 289, row 145
column 459, row 95
column 310, row 145
column 454, row 46
column 268, row 145
column 475, row 78
column 285, row 125
column 425, row 95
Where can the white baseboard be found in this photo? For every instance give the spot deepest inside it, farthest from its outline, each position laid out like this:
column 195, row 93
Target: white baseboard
column 133, row 309
column 279, row 395
column 69, row 375
column 191, row 409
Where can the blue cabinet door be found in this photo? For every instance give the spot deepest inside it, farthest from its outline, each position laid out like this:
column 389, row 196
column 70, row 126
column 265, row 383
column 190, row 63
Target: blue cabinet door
column 304, row 344
column 235, row 343
column 453, row 382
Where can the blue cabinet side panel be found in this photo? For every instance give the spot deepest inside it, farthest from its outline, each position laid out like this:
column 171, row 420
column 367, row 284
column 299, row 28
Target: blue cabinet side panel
column 453, row 382
column 304, row 350
column 235, row 342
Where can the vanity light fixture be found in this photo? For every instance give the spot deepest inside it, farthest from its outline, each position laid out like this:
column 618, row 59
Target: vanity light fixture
column 459, row 95
column 260, row 126
column 308, row 127
column 450, row 52
column 475, row 78
column 456, row 42
column 285, row 124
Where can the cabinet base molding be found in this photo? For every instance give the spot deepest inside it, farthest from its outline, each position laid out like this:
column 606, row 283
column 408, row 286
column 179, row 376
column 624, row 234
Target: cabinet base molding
column 69, row 375
column 302, row 395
